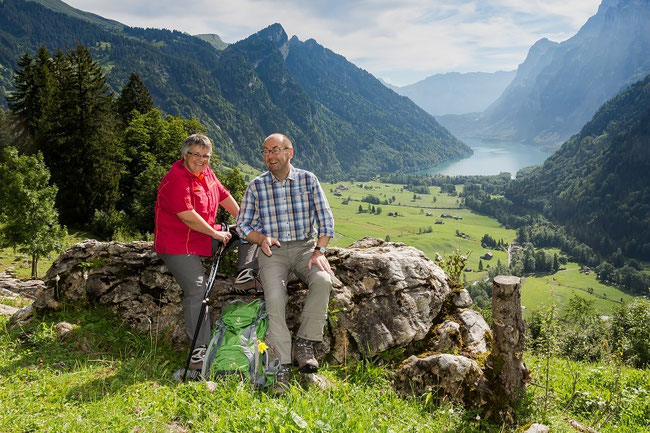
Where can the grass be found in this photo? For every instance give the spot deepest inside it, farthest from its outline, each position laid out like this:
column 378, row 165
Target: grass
column 106, row 378
column 616, row 396
column 537, row 289
column 558, row 288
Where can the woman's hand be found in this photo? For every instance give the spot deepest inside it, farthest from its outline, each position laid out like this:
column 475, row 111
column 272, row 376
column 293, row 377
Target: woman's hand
column 223, row 237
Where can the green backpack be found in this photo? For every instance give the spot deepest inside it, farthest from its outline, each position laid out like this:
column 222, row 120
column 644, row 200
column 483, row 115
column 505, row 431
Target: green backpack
column 237, row 345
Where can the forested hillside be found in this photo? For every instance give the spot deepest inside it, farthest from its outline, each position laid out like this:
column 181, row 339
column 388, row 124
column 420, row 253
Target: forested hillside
column 260, row 85
column 598, row 183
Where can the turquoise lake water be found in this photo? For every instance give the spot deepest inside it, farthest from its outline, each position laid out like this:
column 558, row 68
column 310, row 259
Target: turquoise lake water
column 491, row 157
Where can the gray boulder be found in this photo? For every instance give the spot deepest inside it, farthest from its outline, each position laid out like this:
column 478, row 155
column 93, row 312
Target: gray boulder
column 444, row 375
column 385, row 296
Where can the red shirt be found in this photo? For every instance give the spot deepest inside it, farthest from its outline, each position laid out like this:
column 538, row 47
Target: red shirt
column 181, row 190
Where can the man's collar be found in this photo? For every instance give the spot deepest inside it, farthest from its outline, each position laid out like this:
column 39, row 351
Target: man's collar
column 290, row 176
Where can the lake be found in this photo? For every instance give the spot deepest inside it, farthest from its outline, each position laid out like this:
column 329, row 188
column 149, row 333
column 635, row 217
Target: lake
column 491, row 157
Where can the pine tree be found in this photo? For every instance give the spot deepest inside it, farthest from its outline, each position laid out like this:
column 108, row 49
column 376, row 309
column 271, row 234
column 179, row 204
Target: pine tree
column 480, row 265
column 83, row 154
column 33, row 100
column 29, row 220
column 6, row 137
column 134, row 96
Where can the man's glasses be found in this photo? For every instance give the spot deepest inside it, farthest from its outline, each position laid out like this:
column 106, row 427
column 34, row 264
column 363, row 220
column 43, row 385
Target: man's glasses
column 198, row 155
column 274, row 151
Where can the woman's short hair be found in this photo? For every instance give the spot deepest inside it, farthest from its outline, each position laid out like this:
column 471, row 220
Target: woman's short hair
column 195, row 140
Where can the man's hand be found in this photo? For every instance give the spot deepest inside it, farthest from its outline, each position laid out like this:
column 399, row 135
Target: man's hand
column 267, row 243
column 320, row 260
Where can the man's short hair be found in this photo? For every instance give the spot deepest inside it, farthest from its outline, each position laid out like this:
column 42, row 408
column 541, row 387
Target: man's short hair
column 285, row 140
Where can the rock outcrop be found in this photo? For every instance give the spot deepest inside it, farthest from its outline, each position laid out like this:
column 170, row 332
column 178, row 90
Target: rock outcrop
column 385, row 296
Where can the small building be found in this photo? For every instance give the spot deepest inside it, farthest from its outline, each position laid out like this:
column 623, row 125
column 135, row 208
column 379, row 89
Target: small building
column 487, row 256
column 429, row 214
column 445, row 215
column 439, row 222
column 337, row 194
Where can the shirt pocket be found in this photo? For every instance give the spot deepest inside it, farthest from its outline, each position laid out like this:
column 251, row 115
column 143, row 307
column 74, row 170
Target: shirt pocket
column 201, row 201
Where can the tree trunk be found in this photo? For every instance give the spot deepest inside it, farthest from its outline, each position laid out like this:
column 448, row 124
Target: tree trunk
column 506, row 370
column 34, row 265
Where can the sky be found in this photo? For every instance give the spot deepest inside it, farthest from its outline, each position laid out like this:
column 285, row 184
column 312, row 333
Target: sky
column 399, row 41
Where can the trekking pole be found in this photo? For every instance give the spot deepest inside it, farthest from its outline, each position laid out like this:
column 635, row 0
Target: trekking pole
column 221, row 248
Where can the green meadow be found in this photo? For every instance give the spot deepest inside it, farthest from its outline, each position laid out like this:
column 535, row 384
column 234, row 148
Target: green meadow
column 558, row 288
column 412, row 225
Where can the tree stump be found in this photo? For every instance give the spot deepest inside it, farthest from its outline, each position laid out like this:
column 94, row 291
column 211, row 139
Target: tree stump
column 506, row 370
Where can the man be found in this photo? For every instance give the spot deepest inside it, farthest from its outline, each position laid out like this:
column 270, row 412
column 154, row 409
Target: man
column 282, row 210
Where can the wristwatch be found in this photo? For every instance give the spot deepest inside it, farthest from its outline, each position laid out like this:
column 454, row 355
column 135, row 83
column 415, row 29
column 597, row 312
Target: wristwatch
column 323, row 250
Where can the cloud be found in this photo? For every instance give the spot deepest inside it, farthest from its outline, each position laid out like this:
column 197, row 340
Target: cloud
column 400, row 41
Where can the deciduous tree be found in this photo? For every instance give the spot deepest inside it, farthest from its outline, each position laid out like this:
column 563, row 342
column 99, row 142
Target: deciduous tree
column 29, row 220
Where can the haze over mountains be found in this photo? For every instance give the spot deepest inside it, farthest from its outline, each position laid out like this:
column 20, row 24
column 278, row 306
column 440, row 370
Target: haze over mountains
column 456, row 93
column 341, row 118
column 561, row 85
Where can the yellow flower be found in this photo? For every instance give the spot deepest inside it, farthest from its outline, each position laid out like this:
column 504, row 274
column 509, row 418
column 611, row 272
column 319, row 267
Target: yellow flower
column 261, row 346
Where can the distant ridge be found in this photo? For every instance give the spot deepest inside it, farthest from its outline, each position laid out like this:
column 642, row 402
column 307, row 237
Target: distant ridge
column 213, row 40
column 457, row 93
column 59, row 6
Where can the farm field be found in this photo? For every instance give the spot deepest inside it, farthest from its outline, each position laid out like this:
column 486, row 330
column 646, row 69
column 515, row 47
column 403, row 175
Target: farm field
column 411, row 225
column 537, row 290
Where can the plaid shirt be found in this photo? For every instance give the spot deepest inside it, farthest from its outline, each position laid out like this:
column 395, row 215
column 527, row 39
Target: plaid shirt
column 287, row 210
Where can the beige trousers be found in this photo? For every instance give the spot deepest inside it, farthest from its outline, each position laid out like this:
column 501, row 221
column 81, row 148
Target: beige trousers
column 273, row 273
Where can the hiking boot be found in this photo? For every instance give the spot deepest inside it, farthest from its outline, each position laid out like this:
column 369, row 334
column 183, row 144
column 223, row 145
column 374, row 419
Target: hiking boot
column 246, row 282
column 281, row 384
column 304, row 356
column 196, row 360
column 190, row 375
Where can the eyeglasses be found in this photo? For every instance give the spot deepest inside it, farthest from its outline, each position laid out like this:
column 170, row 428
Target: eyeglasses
column 198, row 155
column 274, row 151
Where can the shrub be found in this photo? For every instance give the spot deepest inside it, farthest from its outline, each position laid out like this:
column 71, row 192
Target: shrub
column 630, row 333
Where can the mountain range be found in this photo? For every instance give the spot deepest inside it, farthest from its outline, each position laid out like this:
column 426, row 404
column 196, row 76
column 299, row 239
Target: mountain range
column 559, row 86
column 456, row 93
column 341, row 119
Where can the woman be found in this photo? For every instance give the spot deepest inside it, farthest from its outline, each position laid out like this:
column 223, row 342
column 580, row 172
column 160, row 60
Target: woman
column 186, row 208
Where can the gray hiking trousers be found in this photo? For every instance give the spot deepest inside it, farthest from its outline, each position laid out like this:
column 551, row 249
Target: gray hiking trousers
column 274, row 274
column 189, row 272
